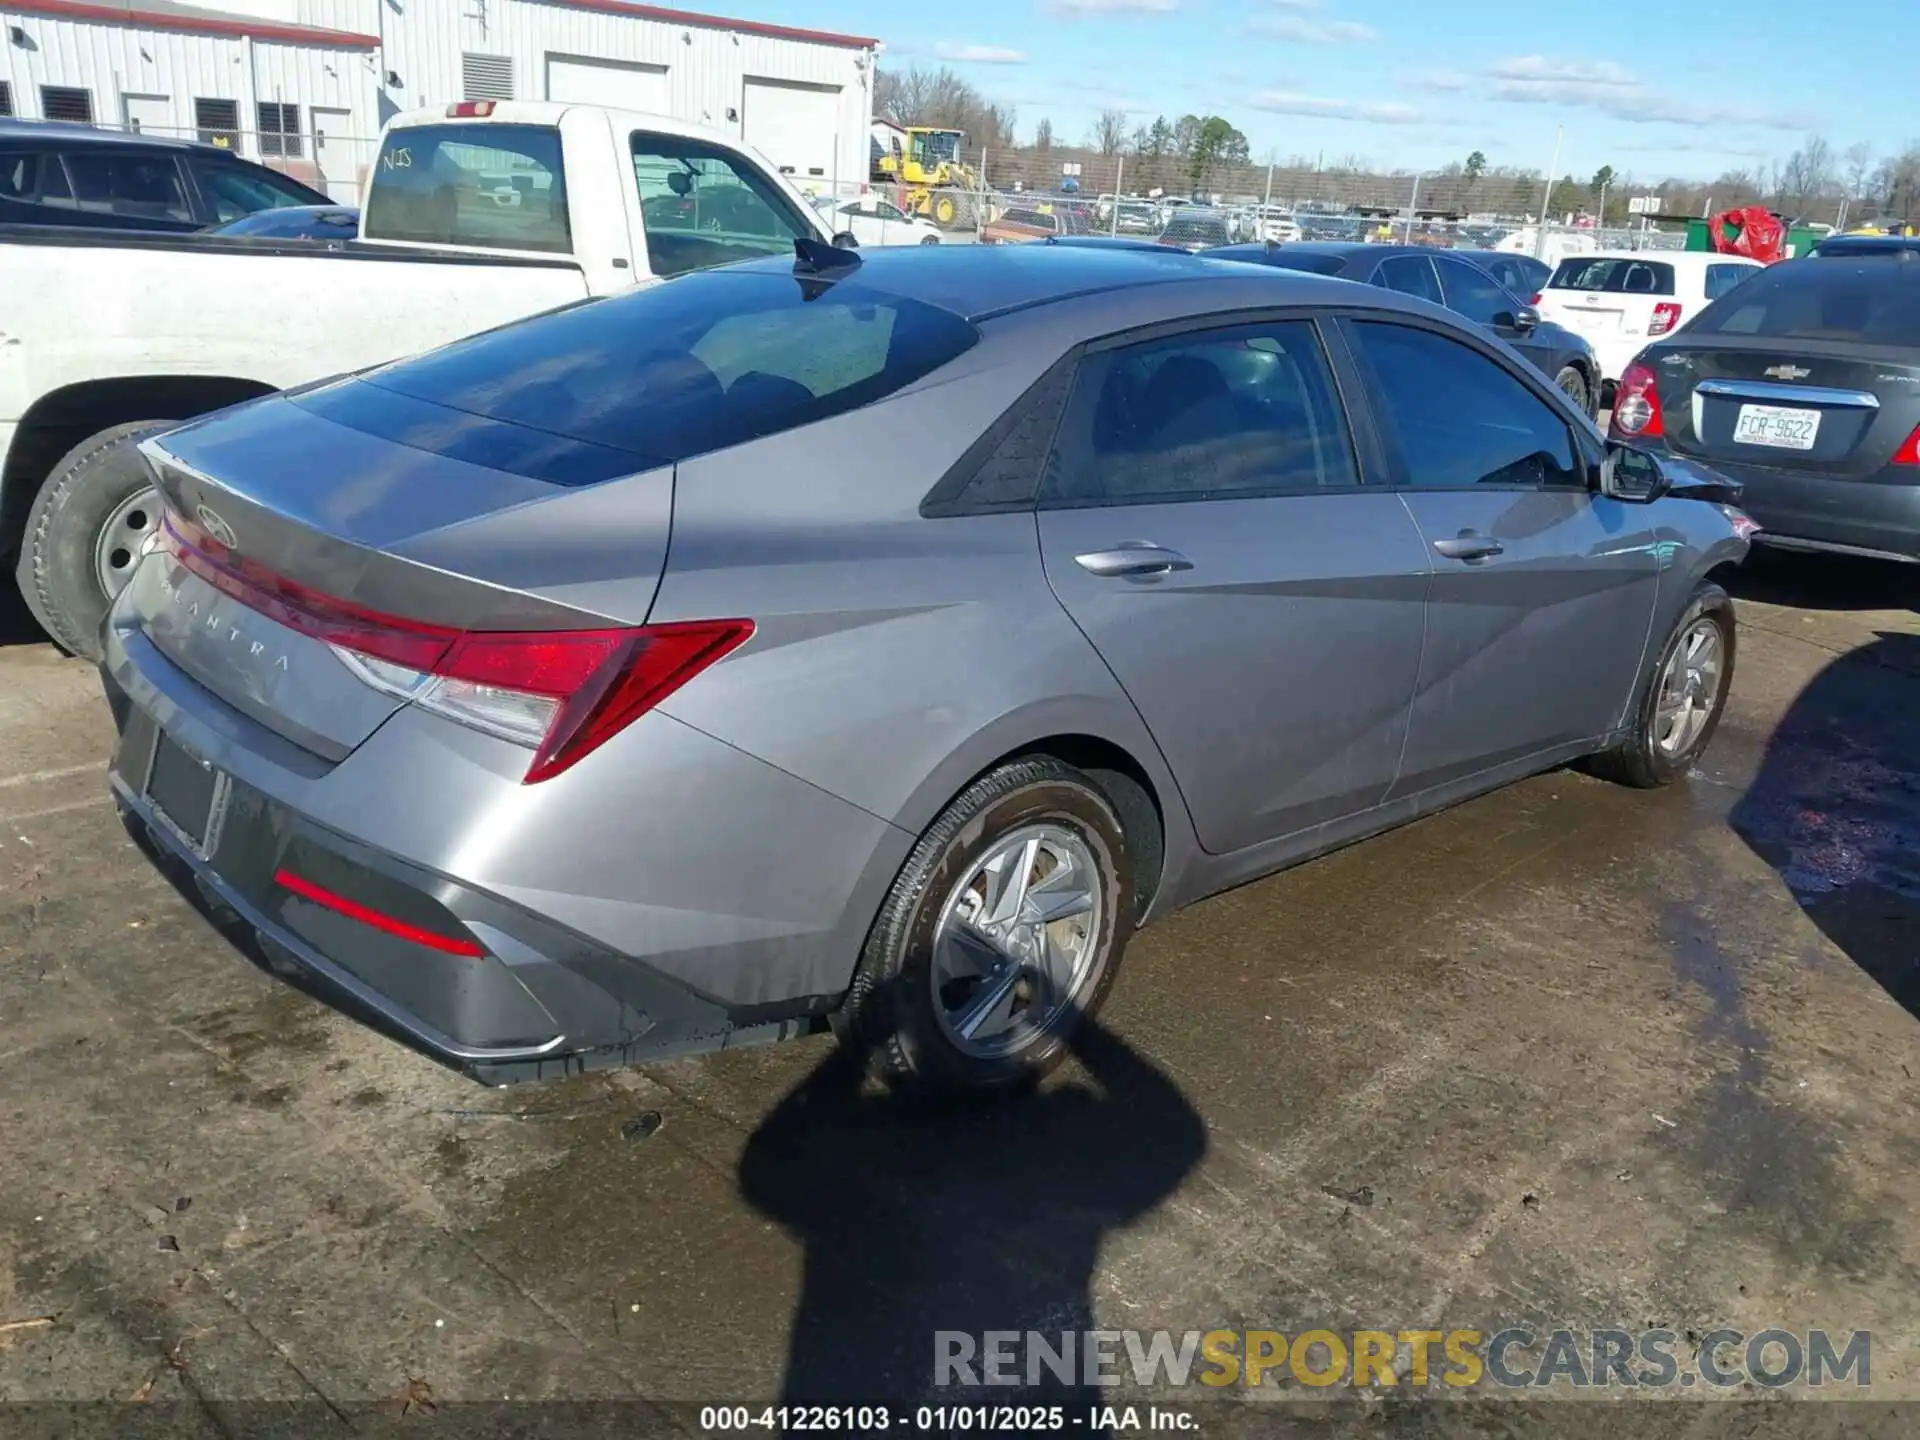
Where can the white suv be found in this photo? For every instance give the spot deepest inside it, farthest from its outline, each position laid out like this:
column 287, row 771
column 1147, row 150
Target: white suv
column 1620, row 300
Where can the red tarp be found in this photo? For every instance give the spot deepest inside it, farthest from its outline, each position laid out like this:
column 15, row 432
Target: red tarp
column 1752, row 232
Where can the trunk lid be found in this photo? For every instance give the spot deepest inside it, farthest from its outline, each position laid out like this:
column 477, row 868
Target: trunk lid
column 1828, row 407
column 380, row 502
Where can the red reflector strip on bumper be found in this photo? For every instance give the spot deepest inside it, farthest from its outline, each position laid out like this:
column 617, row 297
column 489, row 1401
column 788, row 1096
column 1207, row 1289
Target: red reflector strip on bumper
column 353, row 910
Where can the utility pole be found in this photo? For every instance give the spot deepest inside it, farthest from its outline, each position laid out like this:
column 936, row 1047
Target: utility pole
column 1540, row 234
column 1119, row 169
column 1412, row 205
column 1269, row 200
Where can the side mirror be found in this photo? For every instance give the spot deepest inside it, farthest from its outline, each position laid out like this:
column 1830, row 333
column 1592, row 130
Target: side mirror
column 1635, row 477
column 846, row 241
column 1526, row 320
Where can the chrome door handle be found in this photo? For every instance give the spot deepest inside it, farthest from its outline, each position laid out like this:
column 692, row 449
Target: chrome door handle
column 1132, row 557
column 1469, row 545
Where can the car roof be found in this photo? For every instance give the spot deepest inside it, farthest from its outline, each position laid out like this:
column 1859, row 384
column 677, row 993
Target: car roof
column 982, row 281
column 1869, row 245
column 549, row 112
column 72, row 131
column 1682, row 258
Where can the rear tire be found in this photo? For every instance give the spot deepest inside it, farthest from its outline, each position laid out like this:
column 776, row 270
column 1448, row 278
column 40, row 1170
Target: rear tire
column 907, row 1010
column 66, row 547
column 1573, row 384
column 1643, row 758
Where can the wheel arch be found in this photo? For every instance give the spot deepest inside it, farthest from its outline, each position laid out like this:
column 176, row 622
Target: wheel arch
column 62, row 418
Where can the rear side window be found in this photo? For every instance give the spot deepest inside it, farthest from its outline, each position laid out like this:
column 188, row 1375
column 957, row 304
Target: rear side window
column 1302, row 260
column 19, row 175
column 494, row 187
column 1873, row 302
column 1474, row 293
column 143, row 186
column 1614, row 276
column 1410, row 275
column 1219, row 415
column 1722, row 278
column 704, row 205
column 712, row 360
column 234, row 189
column 1459, row 419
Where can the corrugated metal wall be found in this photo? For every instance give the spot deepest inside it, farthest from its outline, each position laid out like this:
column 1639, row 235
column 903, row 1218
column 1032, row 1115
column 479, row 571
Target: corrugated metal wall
column 707, row 65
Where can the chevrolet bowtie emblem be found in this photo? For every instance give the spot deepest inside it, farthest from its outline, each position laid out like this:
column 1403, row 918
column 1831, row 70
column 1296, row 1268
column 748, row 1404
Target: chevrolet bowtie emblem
column 1787, row 372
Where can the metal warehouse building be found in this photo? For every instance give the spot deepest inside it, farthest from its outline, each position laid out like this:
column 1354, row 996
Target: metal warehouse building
column 305, row 84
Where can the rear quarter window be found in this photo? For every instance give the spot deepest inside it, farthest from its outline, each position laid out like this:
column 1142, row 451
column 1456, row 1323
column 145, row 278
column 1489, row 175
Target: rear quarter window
column 492, row 187
column 711, row 360
column 1614, row 276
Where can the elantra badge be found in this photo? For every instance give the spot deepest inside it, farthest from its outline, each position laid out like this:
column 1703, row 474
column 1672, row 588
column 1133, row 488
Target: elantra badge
column 216, row 527
column 1787, row 372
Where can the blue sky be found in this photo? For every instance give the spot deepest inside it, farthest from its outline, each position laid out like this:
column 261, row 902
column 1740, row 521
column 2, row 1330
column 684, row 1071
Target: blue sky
column 1657, row 87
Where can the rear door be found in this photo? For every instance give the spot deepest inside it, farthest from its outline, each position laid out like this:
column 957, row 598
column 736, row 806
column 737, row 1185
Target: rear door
column 1206, row 525
column 1411, row 275
column 1542, row 592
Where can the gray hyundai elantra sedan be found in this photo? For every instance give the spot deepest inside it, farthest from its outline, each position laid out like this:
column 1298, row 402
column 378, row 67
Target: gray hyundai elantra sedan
column 875, row 641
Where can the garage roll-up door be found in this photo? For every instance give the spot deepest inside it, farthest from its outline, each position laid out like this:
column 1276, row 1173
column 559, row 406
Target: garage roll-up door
column 793, row 126
column 580, row 81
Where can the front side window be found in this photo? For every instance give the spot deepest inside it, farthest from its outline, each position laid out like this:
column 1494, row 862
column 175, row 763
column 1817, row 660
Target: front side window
column 234, row 189
column 1218, row 415
column 1410, row 275
column 707, row 205
column 1474, row 293
column 1458, row 418
column 495, row 187
column 671, row 371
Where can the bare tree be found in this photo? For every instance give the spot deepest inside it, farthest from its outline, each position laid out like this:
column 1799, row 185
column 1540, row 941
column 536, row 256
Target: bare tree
column 1043, row 134
column 940, row 97
column 1110, row 132
column 1859, row 163
column 1804, row 176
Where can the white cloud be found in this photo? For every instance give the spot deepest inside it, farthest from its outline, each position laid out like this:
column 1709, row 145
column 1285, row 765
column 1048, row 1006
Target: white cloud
column 1313, row 32
column 1617, row 93
column 1445, row 80
column 1297, row 4
column 980, row 54
column 1288, row 102
column 1078, row 9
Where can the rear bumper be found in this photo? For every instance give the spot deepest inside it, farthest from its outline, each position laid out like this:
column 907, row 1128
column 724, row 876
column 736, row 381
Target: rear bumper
column 538, row 986
column 1878, row 516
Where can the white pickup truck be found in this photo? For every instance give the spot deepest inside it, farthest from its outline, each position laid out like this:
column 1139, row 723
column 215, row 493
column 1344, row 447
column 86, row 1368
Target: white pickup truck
column 473, row 215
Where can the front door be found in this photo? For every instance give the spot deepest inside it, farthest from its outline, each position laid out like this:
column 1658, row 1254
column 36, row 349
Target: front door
column 1543, row 591
column 1206, row 527
column 1471, row 292
column 336, row 155
column 148, row 115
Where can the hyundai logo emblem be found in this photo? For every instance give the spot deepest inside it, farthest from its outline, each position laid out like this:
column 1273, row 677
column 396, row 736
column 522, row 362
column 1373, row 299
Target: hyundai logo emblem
column 216, row 527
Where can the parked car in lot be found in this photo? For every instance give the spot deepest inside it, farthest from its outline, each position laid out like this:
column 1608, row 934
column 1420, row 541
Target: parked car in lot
column 1020, row 224
column 1522, row 274
column 1621, row 299
column 1196, row 228
column 297, row 222
column 1444, row 278
column 56, row 173
column 873, row 221
column 112, row 336
column 416, row 691
column 1803, row 385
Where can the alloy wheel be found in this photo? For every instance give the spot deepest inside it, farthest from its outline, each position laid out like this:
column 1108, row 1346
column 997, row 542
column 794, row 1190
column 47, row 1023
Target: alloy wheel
column 1689, row 688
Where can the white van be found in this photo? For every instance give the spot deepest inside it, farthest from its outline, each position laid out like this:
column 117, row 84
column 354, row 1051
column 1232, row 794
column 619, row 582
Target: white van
column 1618, row 300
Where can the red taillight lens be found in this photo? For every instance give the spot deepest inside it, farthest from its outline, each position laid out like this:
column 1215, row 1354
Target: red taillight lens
column 470, row 110
column 1909, row 453
column 1636, row 405
column 1666, row 315
column 563, row 693
column 374, row 919
column 1538, row 295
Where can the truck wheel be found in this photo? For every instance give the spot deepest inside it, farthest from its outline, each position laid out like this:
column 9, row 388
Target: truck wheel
column 944, row 211
column 94, row 510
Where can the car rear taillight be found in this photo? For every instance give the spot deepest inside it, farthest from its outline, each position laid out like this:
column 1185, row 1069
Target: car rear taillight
column 1538, row 295
column 561, row 693
column 1636, row 405
column 470, row 110
column 1666, row 315
column 1909, row 453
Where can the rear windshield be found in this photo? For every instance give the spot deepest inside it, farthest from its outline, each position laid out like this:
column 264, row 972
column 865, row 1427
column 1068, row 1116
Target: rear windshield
column 1870, row 301
column 1615, row 277
column 495, row 187
column 698, row 363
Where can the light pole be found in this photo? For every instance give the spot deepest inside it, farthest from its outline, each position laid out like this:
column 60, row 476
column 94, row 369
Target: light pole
column 1540, row 233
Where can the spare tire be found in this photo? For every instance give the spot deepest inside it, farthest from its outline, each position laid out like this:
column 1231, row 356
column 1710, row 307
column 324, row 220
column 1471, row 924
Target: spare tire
column 93, row 513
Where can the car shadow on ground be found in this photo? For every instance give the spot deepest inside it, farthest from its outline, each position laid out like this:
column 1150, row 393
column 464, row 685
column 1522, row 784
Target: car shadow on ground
column 1826, row 582
column 17, row 625
column 1835, row 808
column 918, row 1217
